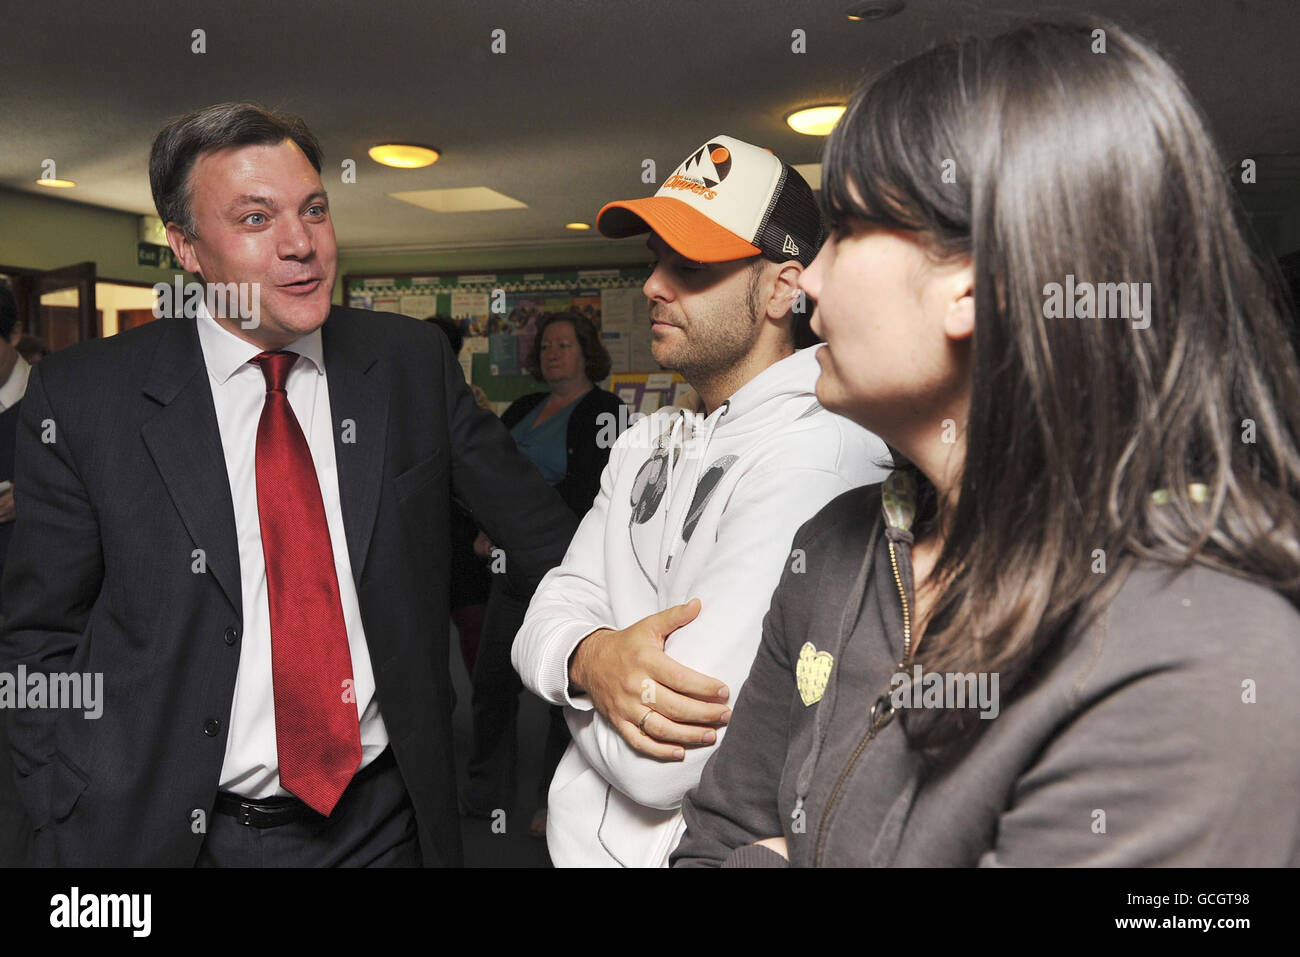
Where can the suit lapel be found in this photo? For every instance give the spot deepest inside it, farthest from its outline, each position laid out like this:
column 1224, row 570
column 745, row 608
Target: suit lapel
column 185, row 444
column 359, row 409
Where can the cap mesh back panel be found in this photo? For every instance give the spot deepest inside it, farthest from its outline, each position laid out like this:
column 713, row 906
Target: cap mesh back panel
column 793, row 211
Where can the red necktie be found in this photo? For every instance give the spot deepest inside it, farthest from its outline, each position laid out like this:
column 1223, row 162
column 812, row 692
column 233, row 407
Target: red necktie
column 318, row 738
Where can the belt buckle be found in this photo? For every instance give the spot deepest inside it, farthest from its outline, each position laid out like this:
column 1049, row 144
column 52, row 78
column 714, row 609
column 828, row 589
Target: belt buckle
column 246, row 814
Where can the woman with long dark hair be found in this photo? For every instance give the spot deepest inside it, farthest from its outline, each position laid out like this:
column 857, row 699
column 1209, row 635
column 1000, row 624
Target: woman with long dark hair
column 1066, row 632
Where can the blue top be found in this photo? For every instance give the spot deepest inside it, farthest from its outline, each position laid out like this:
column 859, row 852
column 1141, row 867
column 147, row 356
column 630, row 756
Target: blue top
column 545, row 445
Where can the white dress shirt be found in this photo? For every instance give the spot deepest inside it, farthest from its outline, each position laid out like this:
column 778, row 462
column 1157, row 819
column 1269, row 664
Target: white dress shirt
column 251, row 766
column 12, row 391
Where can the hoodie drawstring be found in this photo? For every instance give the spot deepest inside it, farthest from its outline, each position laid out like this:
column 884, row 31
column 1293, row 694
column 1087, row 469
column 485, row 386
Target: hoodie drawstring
column 700, row 455
column 678, row 428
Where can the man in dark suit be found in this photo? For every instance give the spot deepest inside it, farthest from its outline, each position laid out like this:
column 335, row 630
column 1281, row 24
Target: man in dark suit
column 14, row 370
column 14, row 829
column 239, row 518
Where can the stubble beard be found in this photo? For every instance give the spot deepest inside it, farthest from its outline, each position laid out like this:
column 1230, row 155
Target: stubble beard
column 715, row 344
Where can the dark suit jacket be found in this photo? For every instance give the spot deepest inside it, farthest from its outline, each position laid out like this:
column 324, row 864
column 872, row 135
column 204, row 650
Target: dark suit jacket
column 8, row 432
column 586, row 458
column 14, row 828
column 100, row 576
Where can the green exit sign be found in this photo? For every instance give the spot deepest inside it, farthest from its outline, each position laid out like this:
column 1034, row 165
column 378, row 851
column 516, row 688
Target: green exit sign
column 147, row 254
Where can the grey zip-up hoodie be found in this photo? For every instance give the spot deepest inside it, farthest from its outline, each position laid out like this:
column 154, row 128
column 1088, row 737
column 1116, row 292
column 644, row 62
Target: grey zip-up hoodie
column 1167, row 732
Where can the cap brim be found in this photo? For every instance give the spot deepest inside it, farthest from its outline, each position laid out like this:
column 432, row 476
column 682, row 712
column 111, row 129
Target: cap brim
column 680, row 225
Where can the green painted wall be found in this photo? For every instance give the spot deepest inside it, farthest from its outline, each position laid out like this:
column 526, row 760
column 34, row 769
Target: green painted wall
column 42, row 232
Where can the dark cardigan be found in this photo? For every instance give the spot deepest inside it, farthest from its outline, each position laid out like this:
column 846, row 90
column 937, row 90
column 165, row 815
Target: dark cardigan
column 585, row 459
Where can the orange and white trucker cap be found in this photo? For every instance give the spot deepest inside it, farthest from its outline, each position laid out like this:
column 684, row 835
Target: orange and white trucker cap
column 727, row 200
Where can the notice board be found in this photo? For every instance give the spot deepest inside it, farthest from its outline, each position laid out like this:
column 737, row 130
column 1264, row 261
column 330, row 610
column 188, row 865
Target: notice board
column 497, row 313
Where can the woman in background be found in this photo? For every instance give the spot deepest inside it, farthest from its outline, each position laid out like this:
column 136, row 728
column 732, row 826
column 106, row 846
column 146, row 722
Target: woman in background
column 567, row 432
column 1067, row 633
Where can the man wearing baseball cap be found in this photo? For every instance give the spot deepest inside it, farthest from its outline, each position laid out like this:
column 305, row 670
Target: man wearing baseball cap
column 647, row 629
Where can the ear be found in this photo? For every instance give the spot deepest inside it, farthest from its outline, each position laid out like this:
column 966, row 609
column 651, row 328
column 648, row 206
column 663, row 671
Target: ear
column 959, row 319
column 16, row 336
column 785, row 290
column 183, row 246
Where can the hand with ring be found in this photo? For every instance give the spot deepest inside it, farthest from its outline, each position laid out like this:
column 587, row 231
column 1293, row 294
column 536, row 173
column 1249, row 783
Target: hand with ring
column 659, row 706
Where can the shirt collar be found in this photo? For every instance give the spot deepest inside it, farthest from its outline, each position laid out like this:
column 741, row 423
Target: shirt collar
column 14, row 387
column 225, row 353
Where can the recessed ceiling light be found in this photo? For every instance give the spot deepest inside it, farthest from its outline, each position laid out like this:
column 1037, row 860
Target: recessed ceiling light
column 874, row 10
column 465, row 199
column 577, row 226
column 404, row 155
column 815, row 120
column 56, row 183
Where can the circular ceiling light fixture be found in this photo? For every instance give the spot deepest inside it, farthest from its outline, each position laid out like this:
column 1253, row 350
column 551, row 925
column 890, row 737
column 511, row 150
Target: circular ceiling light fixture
column 404, row 155
column 815, row 120
column 875, row 10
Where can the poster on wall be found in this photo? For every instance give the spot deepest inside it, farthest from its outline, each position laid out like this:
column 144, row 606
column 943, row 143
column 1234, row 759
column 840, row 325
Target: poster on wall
column 498, row 302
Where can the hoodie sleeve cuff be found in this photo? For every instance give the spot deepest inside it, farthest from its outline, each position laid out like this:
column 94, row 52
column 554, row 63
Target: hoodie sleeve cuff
column 555, row 673
column 755, row 855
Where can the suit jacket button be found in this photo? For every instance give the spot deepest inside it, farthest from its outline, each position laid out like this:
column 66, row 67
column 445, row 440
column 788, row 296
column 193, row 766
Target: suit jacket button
column 212, row 727
column 232, row 635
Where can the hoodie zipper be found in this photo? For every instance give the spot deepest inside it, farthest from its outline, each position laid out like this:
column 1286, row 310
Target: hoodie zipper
column 907, row 618
column 879, row 717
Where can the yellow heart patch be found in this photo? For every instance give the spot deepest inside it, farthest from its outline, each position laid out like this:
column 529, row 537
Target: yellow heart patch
column 813, row 673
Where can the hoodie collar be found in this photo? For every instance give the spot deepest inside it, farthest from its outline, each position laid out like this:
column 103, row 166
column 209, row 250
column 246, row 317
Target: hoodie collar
column 898, row 503
column 752, row 406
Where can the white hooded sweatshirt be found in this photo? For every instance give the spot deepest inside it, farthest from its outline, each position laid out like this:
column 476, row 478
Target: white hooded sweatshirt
column 689, row 507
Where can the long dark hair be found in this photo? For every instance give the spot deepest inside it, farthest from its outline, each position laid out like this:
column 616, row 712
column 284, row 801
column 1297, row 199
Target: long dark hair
column 1040, row 157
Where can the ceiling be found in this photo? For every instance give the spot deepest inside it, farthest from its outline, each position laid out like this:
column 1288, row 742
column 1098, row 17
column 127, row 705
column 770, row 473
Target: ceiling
column 563, row 120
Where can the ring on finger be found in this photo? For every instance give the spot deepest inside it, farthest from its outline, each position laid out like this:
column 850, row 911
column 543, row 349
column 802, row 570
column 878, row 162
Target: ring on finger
column 641, row 723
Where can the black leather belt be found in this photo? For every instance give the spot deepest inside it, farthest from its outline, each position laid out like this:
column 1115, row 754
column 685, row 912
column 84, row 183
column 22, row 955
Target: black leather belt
column 275, row 811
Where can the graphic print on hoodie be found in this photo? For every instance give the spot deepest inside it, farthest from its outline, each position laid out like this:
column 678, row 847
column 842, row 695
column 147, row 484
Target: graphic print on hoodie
column 650, row 487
